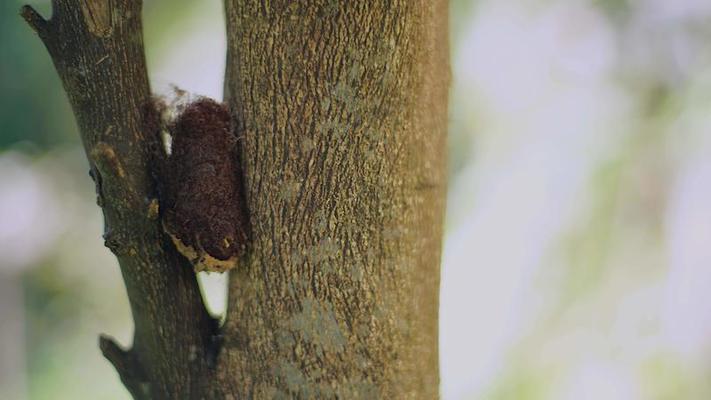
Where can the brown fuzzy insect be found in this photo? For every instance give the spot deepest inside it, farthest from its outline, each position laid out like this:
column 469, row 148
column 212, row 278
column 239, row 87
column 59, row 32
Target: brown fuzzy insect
column 200, row 188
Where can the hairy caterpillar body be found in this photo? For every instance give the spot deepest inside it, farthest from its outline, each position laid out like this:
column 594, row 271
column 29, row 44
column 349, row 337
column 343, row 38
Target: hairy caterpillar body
column 200, row 188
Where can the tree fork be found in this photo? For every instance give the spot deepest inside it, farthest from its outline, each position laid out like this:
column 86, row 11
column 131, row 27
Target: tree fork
column 340, row 109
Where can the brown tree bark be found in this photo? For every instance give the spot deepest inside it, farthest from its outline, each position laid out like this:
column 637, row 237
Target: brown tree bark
column 340, row 109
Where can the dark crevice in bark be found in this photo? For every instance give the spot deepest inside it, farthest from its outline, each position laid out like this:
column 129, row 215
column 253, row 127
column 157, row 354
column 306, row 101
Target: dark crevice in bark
column 214, row 344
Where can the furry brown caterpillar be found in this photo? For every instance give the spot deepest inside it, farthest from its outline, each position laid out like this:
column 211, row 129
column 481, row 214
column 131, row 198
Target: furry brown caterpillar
column 200, row 188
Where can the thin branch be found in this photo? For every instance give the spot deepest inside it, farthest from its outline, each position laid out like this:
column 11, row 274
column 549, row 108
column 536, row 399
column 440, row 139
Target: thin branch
column 35, row 20
column 97, row 50
column 128, row 367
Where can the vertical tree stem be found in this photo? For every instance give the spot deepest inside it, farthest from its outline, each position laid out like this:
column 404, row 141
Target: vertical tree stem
column 342, row 114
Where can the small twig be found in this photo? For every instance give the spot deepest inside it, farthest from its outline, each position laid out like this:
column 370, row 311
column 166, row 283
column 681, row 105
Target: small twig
column 104, row 58
column 35, row 20
column 128, row 367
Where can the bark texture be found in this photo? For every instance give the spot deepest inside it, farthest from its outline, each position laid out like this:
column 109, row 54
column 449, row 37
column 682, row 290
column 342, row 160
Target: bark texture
column 342, row 113
column 340, row 108
column 97, row 49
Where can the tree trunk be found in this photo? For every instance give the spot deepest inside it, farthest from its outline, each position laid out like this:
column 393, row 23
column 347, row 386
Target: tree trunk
column 340, row 110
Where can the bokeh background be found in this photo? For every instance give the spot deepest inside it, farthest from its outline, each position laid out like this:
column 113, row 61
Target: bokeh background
column 577, row 259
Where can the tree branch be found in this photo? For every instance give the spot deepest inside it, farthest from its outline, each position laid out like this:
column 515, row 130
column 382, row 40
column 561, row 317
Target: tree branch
column 97, row 50
column 36, row 22
column 128, row 367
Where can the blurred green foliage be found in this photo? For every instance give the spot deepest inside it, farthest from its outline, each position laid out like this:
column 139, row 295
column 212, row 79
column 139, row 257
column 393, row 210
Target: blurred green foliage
column 33, row 106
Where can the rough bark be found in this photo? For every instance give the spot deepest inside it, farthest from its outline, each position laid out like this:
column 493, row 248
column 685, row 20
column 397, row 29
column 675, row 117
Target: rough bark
column 340, row 110
column 97, row 49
